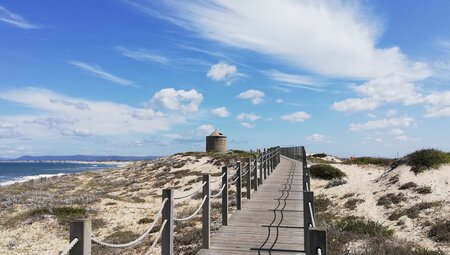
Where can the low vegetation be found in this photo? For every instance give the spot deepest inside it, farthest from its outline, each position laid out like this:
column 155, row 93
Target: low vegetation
column 423, row 190
column 440, row 231
column 352, row 203
column 370, row 161
column 408, row 185
column 413, row 211
column 335, row 182
column 326, row 172
column 426, row 159
column 319, row 155
column 390, row 199
column 64, row 214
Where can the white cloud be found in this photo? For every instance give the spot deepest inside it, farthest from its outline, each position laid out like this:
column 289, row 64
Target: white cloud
column 355, row 105
column 279, row 101
column 223, row 72
column 143, row 55
column 97, row 118
column 256, row 96
column 341, row 42
column 407, row 138
column 318, row 138
column 205, row 129
column 376, row 92
column 438, row 104
column 14, row 19
column 296, row 117
column 178, row 100
column 293, row 80
column 247, row 124
column 383, row 123
column 100, row 73
column 221, row 112
column 248, row 116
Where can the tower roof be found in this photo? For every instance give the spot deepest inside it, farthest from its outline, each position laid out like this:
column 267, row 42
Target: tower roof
column 217, row 133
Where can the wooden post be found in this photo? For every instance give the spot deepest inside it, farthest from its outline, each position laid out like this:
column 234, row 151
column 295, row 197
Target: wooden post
column 225, row 196
column 167, row 214
column 255, row 175
column 308, row 197
column 239, row 187
column 318, row 239
column 264, row 163
column 81, row 229
column 206, row 214
column 260, row 168
column 249, row 179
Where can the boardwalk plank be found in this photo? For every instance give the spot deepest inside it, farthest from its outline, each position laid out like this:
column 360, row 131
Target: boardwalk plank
column 271, row 222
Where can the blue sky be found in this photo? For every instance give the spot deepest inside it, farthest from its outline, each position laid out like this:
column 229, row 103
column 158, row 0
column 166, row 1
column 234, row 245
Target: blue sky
column 147, row 77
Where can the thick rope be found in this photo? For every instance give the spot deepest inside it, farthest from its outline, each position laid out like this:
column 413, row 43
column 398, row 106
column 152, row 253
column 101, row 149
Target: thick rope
column 192, row 193
column 139, row 239
column 195, row 213
column 319, row 251
column 69, row 247
column 244, row 174
column 156, row 238
column 218, row 178
column 234, row 181
column 219, row 193
column 312, row 215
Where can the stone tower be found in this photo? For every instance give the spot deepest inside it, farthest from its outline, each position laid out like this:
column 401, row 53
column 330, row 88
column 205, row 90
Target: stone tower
column 216, row 142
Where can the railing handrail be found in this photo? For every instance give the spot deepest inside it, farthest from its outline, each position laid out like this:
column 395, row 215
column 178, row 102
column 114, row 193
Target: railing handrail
column 265, row 162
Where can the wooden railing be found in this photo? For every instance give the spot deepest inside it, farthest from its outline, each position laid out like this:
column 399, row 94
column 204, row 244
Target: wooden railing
column 262, row 166
column 315, row 238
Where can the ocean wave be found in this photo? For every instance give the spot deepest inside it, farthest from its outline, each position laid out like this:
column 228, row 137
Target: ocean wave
column 29, row 178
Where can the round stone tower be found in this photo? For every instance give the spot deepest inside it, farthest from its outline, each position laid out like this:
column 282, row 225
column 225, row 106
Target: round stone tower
column 216, row 142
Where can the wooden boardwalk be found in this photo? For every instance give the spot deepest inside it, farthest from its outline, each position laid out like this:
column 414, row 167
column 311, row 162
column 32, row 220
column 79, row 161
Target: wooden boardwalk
column 271, row 222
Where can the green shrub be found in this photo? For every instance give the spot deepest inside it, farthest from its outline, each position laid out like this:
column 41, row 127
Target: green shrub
column 326, row 172
column 352, row 203
column 423, row 190
column 64, row 214
column 414, row 210
column 408, row 185
column 440, row 232
column 391, row 198
column 319, row 155
column 426, row 159
column 364, row 227
column 369, row 161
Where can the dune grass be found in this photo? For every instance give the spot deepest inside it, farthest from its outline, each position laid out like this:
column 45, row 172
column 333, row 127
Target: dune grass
column 326, row 172
column 426, row 159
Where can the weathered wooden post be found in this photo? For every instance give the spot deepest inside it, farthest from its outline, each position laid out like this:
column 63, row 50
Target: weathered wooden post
column 260, row 168
column 167, row 214
column 249, row 178
column 264, row 163
column 239, row 187
column 81, row 229
column 206, row 214
column 308, row 198
column 255, row 174
column 225, row 196
column 318, row 240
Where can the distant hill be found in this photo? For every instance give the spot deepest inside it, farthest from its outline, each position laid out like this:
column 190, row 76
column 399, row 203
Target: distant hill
column 83, row 158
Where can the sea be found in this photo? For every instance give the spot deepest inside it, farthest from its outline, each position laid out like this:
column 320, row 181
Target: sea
column 12, row 172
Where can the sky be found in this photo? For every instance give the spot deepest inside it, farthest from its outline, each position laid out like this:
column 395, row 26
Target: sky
column 151, row 77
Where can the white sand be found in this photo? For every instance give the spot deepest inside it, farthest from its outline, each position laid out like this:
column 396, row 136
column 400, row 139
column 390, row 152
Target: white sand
column 362, row 182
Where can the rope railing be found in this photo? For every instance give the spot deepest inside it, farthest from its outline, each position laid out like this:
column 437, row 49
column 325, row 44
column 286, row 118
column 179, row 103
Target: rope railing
column 219, row 193
column 193, row 215
column 69, row 247
column 156, row 238
column 218, row 179
column 264, row 162
column 137, row 240
column 192, row 192
column 313, row 222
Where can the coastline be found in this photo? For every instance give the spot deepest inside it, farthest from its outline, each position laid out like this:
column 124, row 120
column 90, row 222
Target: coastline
column 25, row 178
